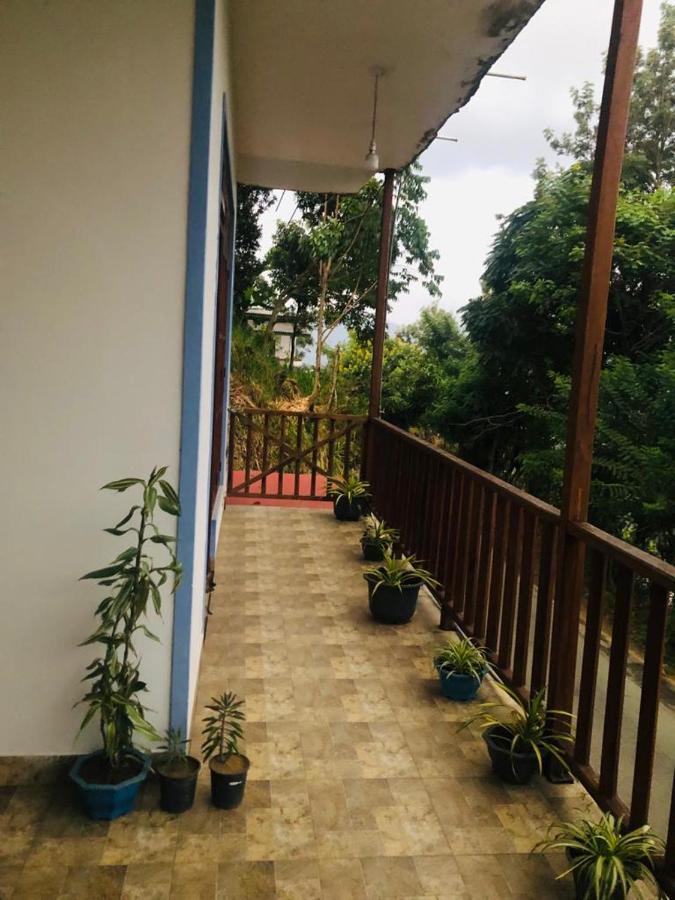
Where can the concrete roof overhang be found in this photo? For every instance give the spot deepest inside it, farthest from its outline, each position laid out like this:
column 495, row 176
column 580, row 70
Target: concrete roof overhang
column 303, row 82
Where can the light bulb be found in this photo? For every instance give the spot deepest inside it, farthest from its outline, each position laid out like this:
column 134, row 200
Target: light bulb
column 372, row 159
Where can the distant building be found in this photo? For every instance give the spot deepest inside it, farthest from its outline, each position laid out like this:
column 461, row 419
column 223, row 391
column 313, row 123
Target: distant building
column 286, row 338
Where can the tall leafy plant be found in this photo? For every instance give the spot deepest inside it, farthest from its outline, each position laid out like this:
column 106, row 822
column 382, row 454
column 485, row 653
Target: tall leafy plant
column 132, row 582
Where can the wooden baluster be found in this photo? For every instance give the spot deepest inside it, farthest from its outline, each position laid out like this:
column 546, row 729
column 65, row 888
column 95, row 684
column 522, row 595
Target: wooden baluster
column 649, row 705
column 298, row 452
column 512, row 570
column 280, row 469
column 456, row 546
column 542, row 622
column 249, row 439
column 265, row 450
column 475, row 543
column 438, row 499
column 230, row 454
column 452, row 537
column 315, row 453
column 497, row 574
column 591, row 655
column 669, row 858
column 464, row 547
column 522, row 647
column 348, row 446
column 331, row 447
column 616, row 683
column 484, row 564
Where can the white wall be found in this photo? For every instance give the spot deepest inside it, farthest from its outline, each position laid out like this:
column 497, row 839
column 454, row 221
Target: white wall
column 95, row 176
column 220, row 89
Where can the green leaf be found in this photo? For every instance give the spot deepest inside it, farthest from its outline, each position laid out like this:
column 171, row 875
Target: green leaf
column 162, row 538
column 103, row 573
column 169, row 506
column 122, row 484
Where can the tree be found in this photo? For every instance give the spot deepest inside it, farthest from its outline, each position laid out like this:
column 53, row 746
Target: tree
column 251, row 204
column 650, row 146
column 327, row 263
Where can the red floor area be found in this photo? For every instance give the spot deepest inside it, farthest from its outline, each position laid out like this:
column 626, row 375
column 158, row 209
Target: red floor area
column 288, row 489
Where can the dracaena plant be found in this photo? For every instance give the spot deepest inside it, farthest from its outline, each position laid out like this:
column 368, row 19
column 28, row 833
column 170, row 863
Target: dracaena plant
column 222, row 729
column 132, row 583
column 349, row 490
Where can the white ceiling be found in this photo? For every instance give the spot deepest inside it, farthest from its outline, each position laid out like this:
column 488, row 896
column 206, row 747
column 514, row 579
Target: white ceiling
column 303, row 86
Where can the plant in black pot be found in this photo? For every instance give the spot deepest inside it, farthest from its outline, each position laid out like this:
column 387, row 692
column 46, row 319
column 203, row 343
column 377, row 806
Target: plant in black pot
column 519, row 743
column 393, row 587
column 377, row 539
column 177, row 773
column 350, row 497
column 222, row 733
column 109, row 779
column 606, row 861
column 461, row 667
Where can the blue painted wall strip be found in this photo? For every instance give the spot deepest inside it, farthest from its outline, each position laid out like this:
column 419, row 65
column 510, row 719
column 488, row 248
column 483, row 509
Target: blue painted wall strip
column 202, row 85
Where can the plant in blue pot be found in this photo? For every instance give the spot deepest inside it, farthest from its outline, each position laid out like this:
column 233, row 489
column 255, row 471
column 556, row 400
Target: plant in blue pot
column 461, row 667
column 109, row 779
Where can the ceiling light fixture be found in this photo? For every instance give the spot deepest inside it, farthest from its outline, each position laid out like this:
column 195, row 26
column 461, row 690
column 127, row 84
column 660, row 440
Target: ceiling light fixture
column 372, row 158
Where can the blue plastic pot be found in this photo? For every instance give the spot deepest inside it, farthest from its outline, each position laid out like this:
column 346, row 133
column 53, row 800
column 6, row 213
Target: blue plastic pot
column 109, row 801
column 458, row 686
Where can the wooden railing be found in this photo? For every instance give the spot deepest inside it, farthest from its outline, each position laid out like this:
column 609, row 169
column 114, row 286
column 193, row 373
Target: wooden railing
column 494, row 550
column 291, row 455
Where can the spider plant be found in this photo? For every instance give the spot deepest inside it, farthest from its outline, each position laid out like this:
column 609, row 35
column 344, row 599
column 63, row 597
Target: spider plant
column 526, row 729
column 350, row 490
column 398, row 572
column 462, row 657
column 376, row 531
column 222, row 730
column 606, row 861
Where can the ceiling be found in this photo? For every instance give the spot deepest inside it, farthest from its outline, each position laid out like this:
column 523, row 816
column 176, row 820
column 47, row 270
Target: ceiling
column 303, row 82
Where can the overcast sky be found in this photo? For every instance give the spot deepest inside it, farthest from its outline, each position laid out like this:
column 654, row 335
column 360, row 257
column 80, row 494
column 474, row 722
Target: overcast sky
column 500, row 137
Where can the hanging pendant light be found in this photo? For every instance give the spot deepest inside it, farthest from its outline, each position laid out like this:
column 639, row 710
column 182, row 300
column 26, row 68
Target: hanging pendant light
column 372, row 158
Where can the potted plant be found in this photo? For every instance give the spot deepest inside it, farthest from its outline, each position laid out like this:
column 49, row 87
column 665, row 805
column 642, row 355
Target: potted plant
column 377, row 538
column 109, row 779
column 461, row 667
column 393, row 586
column 177, row 773
column 350, row 497
column 519, row 743
column 222, row 733
column 606, row 862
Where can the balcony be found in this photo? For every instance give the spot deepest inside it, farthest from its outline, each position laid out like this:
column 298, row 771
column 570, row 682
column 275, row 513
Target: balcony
column 495, row 551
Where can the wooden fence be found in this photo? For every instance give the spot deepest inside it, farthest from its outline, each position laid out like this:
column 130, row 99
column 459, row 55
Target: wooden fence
column 279, row 454
column 494, row 548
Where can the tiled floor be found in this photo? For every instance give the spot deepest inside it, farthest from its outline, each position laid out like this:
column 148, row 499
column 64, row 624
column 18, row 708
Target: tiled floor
column 360, row 786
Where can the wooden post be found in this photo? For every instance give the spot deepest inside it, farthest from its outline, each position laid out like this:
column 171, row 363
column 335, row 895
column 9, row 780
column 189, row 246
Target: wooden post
column 386, row 233
column 589, row 340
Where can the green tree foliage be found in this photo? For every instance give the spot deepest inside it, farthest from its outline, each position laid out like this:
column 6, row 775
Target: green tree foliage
column 251, row 204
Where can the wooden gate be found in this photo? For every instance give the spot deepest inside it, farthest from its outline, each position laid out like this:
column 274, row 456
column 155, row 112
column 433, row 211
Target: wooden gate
column 279, row 454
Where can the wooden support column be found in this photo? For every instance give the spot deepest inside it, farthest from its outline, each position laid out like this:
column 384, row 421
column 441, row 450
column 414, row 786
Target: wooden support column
column 386, row 234
column 589, row 341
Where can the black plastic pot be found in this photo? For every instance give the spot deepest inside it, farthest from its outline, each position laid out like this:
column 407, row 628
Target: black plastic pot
column 581, row 885
column 513, row 768
column 373, row 551
column 227, row 788
column 348, row 512
column 392, row 605
column 176, row 791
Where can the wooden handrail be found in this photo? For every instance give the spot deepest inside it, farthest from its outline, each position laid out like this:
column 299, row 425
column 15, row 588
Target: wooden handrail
column 643, row 564
column 544, row 510
column 306, row 414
